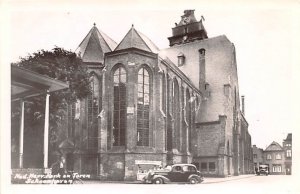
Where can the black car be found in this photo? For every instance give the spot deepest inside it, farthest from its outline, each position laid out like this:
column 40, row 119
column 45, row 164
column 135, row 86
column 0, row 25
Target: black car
column 263, row 170
column 175, row 173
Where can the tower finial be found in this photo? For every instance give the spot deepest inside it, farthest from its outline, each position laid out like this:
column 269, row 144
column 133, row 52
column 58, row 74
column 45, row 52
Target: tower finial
column 132, row 25
column 94, row 24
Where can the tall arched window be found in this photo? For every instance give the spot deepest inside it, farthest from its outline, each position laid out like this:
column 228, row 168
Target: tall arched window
column 176, row 112
column 169, row 113
column 188, row 118
column 119, row 114
column 92, row 112
column 183, row 131
column 163, row 92
column 143, row 107
column 71, row 120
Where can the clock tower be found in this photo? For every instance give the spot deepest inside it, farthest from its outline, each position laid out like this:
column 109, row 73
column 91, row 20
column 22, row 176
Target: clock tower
column 188, row 29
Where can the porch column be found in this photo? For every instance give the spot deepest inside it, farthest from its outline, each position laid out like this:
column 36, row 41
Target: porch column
column 21, row 134
column 46, row 131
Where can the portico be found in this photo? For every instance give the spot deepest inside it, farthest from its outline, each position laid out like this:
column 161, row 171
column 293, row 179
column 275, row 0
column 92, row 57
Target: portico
column 25, row 84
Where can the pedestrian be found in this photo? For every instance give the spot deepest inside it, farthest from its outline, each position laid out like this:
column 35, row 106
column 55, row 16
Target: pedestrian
column 62, row 166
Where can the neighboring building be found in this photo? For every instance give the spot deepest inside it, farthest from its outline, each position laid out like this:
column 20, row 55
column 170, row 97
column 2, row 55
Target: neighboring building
column 287, row 146
column 274, row 158
column 278, row 158
column 157, row 107
column 258, row 157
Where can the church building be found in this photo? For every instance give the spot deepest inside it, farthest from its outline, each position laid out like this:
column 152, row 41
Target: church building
column 155, row 107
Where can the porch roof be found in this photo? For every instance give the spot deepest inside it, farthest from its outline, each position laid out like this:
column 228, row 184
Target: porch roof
column 26, row 83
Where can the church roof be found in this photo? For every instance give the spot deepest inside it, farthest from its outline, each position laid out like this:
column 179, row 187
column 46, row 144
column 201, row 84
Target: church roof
column 274, row 146
column 94, row 45
column 135, row 39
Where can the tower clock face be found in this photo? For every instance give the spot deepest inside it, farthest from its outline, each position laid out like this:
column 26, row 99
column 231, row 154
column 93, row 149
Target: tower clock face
column 186, row 20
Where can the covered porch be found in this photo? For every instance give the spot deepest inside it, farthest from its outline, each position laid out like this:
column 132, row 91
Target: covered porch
column 25, row 84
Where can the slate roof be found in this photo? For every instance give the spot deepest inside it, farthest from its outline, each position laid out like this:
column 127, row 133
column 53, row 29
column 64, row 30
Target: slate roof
column 135, row 39
column 274, row 146
column 94, row 45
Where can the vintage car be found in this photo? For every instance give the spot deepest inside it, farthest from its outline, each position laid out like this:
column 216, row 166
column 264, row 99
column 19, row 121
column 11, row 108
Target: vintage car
column 263, row 170
column 175, row 173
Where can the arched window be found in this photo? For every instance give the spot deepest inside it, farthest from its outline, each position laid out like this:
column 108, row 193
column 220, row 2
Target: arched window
column 143, row 107
column 169, row 113
column 71, row 119
column 163, row 92
column 188, row 118
column 183, row 131
column 119, row 114
column 176, row 112
column 92, row 112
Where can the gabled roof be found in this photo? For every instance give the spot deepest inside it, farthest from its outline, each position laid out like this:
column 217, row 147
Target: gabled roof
column 274, row 146
column 94, row 45
column 135, row 39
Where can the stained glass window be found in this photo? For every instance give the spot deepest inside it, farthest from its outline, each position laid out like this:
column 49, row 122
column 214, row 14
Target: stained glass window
column 143, row 107
column 119, row 114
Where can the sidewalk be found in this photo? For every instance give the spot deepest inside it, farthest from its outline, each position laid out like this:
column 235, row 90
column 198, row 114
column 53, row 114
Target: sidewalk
column 209, row 180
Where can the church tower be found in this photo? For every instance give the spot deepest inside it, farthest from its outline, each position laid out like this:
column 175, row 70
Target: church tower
column 188, row 29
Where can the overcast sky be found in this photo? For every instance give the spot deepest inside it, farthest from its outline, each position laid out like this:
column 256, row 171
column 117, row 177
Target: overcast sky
column 264, row 37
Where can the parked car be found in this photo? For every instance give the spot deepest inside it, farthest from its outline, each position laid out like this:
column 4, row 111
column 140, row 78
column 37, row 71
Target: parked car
column 175, row 173
column 263, row 170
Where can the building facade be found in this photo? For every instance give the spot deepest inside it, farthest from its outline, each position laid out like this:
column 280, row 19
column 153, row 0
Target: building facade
column 274, row 158
column 287, row 146
column 258, row 157
column 152, row 106
column 277, row 157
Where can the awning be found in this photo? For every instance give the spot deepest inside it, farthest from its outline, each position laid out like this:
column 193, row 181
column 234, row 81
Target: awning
column 26, row 83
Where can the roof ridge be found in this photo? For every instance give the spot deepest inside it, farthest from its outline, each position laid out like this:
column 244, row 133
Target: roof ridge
column 88, row 34
column 138, row 33
column 104, row 36
column 136, row 39
column 97, row 41
column 121, row 41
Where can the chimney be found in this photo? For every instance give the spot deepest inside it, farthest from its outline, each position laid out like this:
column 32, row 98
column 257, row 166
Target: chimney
column 243, row 105
column 202, row 71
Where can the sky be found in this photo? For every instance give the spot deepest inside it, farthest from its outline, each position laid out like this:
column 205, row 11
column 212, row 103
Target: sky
column 264, row 34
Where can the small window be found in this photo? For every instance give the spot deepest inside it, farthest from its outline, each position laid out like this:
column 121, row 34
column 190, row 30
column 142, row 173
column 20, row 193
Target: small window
column 278, row 156
column 181, row 59
column 185, row 30
column 276, row 168
column 202, row 52
column 289, row 153
column 212, row 166
column 203, row 166
column 269, row 157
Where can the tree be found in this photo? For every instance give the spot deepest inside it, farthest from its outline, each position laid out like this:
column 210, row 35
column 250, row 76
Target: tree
column 61, row 65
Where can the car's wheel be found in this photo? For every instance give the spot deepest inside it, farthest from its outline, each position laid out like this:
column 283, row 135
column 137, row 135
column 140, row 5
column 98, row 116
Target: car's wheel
column 193, row 180
column 158, row 181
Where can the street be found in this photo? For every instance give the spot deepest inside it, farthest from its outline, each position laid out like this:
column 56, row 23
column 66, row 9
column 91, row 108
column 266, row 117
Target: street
column 243, row 184
column 237, row 184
